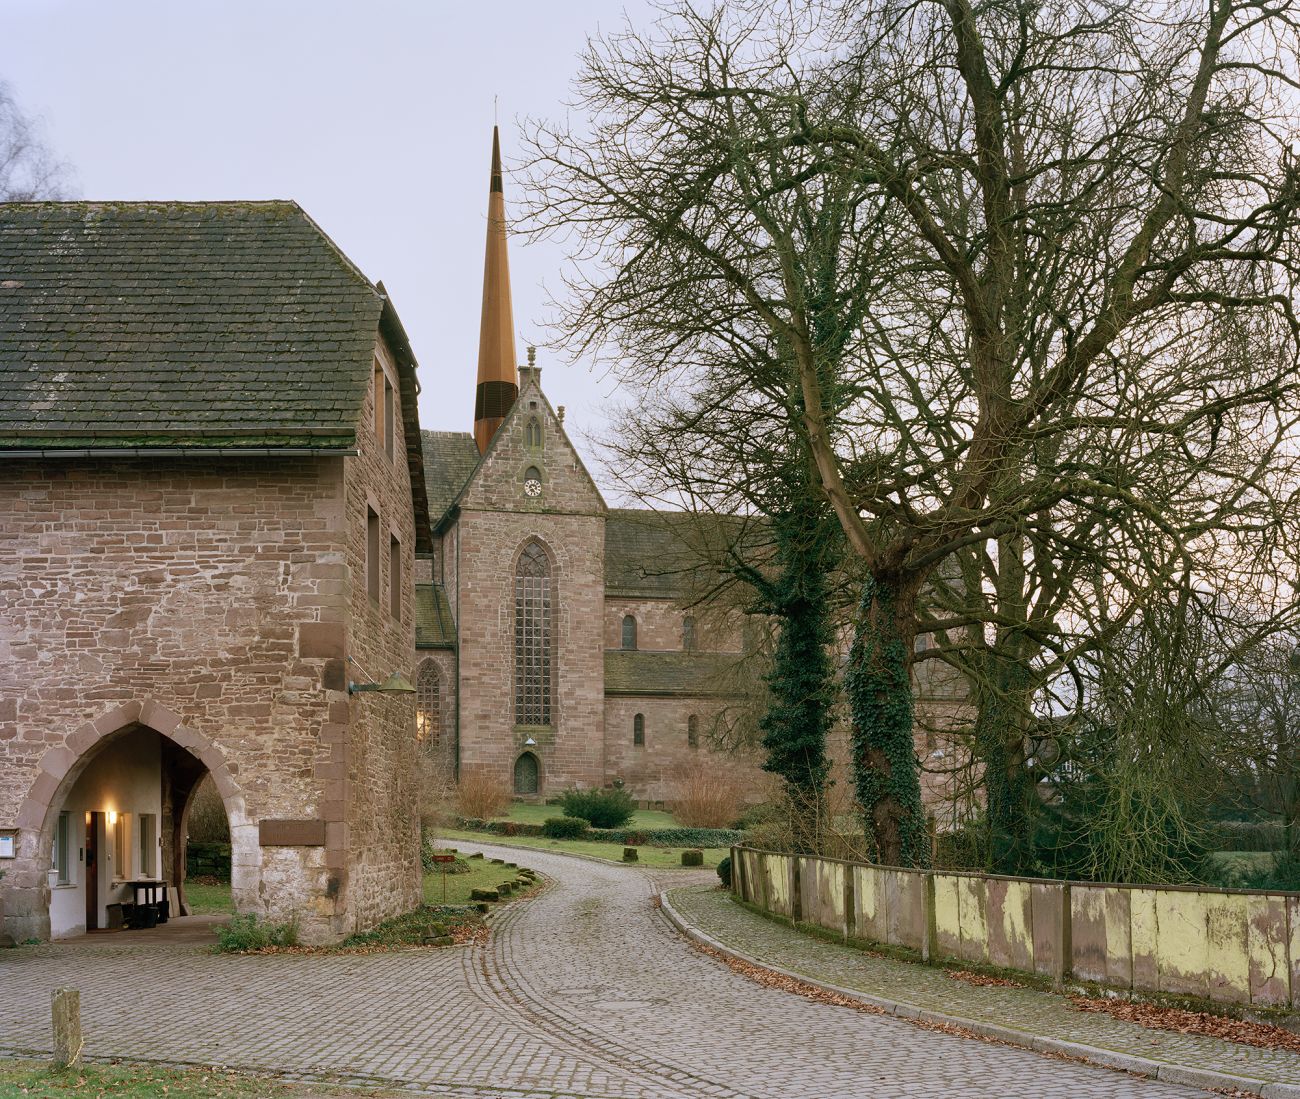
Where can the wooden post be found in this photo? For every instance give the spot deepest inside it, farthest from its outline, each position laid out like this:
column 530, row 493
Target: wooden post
column 66, row 1012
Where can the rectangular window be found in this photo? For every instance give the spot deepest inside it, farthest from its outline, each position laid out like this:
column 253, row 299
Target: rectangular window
column 377, row 395
column 390, row 417
column 148, row 845
column 122, row 847
column 372, row 554
column 394, row 577
column 62, row 849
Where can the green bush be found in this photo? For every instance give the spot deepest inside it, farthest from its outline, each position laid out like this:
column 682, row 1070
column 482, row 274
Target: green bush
column 670, row 837
column 600, row 808
column 564, row 828
column 247, row 932
column 724, row 872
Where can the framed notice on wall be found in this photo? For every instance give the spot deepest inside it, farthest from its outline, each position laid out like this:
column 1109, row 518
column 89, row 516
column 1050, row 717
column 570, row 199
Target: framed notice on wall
column 8, row 844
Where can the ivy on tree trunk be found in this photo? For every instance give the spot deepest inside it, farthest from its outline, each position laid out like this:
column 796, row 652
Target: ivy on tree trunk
column 879, row 688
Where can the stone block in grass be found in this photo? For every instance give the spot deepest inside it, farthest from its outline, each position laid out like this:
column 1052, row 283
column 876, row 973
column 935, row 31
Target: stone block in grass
column 439, row 940
column 630, row 855
column 477, row 855
column 505, row 889
column 693, row 858
column 498, row 862
column 483, row 906
column 484, row 895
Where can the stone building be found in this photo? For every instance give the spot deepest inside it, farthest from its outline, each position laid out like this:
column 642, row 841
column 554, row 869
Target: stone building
column 555, row 641
column 211, row 501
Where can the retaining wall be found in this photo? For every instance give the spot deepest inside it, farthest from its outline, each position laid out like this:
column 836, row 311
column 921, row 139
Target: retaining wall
column 1232, row 945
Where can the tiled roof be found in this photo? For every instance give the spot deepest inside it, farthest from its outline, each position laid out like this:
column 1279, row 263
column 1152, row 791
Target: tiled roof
column 450, row 458
column 636, row 672
column 434, row 628
column 229, row 324
column 665, row 554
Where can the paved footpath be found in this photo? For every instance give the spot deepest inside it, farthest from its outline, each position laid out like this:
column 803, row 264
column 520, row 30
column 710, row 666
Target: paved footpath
column 584, row 991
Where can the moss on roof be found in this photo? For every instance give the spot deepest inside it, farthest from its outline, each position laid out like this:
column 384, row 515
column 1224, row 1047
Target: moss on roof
column 171, row 324
column 434, row 627
column 450, row 458
column 636, row 672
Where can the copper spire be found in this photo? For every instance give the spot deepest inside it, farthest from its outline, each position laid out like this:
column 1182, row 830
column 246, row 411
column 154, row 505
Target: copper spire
column 497, row 385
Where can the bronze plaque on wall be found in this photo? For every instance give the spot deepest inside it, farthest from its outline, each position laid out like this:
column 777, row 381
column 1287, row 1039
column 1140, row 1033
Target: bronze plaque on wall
column 291, row 833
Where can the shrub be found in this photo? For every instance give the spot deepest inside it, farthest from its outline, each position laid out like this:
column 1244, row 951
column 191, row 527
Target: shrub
column 1246, row 835
column 706, row 797
column 600, row 808
column 481, row 795
column 693, row 857
column 724, row 872
column 564, row 828
column 247, row 932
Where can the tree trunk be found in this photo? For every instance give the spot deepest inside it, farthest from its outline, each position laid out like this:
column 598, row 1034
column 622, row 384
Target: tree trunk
column 879, row 688
column 1002, row 723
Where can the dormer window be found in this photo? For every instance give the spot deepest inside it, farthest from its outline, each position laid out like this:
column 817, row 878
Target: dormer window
column 533, row 433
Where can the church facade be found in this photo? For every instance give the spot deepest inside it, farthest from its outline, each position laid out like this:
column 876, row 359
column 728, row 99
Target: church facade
column 556, row 644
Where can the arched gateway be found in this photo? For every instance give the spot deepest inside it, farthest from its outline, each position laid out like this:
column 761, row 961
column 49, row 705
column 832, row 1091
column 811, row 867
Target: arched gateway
column 110, row 805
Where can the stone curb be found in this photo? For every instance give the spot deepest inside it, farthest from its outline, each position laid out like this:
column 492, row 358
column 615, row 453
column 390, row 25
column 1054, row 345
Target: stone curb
column 1093, row 1055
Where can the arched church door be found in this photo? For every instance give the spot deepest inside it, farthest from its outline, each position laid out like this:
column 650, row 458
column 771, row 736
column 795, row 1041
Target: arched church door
column 527, row 774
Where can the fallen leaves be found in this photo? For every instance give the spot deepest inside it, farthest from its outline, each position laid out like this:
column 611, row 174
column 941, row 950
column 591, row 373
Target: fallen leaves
column 983, row 980
column 1156, row 1017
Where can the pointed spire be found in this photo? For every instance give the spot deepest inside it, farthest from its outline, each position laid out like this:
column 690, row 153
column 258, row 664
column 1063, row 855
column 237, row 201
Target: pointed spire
column 497, row 387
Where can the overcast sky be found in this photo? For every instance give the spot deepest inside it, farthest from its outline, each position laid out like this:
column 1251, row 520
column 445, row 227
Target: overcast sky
column 374, row 115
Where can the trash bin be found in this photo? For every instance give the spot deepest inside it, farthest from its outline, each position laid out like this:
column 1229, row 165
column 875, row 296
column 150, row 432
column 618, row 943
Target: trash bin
column 146, row 915
column 115, row 917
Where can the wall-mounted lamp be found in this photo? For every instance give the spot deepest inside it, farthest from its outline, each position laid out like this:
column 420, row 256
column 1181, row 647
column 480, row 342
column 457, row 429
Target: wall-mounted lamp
column 393, row 685
column 112, row 817
column 530, row 743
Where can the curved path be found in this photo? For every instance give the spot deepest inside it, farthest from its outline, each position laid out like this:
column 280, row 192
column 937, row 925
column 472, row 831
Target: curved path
column 584, row 991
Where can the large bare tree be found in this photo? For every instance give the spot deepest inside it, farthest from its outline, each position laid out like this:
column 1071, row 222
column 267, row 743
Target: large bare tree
column 997, row 255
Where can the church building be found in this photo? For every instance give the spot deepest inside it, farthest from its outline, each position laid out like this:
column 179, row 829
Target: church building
column 555, row 643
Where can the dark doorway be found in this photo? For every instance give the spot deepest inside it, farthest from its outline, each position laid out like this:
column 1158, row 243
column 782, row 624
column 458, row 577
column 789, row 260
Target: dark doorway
column 92, row 870
column 527, row 774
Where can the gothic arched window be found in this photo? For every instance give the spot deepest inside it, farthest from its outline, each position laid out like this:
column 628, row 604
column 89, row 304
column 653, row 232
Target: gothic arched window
column 534, row 637
column 629, row 632
column 533, row 432
column 692, row 732
column 638, row 730
column 428, row 705
column 688, row 633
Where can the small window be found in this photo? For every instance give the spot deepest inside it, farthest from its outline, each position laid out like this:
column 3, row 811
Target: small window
column 377, row 395
column 394, row 577
column 692, row 731
column 533, row 433
column 688, row 633
column 122, row 847
column 428, row 706
column 390, row 417
column 638, row 730
column 629, row 632
column 60, row 862
column 372, row 554
column 148, row 844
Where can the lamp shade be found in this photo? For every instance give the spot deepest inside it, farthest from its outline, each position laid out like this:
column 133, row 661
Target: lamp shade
column 396, row 684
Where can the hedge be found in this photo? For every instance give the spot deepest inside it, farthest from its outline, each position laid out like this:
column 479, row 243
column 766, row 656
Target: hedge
column 652, row 837
column 207, row 860
column 1246, row 835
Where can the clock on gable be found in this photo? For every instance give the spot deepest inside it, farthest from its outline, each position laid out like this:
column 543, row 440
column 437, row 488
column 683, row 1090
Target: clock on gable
column 532, row 482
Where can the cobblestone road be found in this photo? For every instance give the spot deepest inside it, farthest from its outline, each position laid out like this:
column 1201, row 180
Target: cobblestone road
column 585, row 991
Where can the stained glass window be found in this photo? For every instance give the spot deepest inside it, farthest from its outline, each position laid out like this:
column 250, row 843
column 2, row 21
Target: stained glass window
column 534, row 638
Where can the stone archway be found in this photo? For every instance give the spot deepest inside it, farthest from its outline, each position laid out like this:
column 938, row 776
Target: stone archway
column 26, row 911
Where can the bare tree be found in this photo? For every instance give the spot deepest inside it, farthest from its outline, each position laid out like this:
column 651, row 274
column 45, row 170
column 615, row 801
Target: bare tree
column 28, row 170
column 998, row 234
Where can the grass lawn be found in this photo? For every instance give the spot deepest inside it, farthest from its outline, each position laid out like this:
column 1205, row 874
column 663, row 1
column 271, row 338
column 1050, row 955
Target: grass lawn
column 36, row 1080
column 525, row 813
column 215, row 899
column 482, row 875
column 210, row 900
column 658, row 857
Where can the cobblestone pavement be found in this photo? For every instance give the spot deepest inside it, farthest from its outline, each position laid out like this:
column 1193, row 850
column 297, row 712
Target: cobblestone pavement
column 1023, row 1009
column 584, row 991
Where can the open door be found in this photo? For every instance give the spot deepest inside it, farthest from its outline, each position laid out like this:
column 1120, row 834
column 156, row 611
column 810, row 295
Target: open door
column 92, row 870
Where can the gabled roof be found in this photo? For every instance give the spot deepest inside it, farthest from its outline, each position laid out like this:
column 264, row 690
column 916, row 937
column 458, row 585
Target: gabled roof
column 188, row 326
column 162, row 323
column 434, row 627
column 450, row 458
column 660, row 674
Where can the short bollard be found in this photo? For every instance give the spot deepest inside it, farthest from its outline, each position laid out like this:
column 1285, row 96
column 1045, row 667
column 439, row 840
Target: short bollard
column 66, row 1010
column 630, row 855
